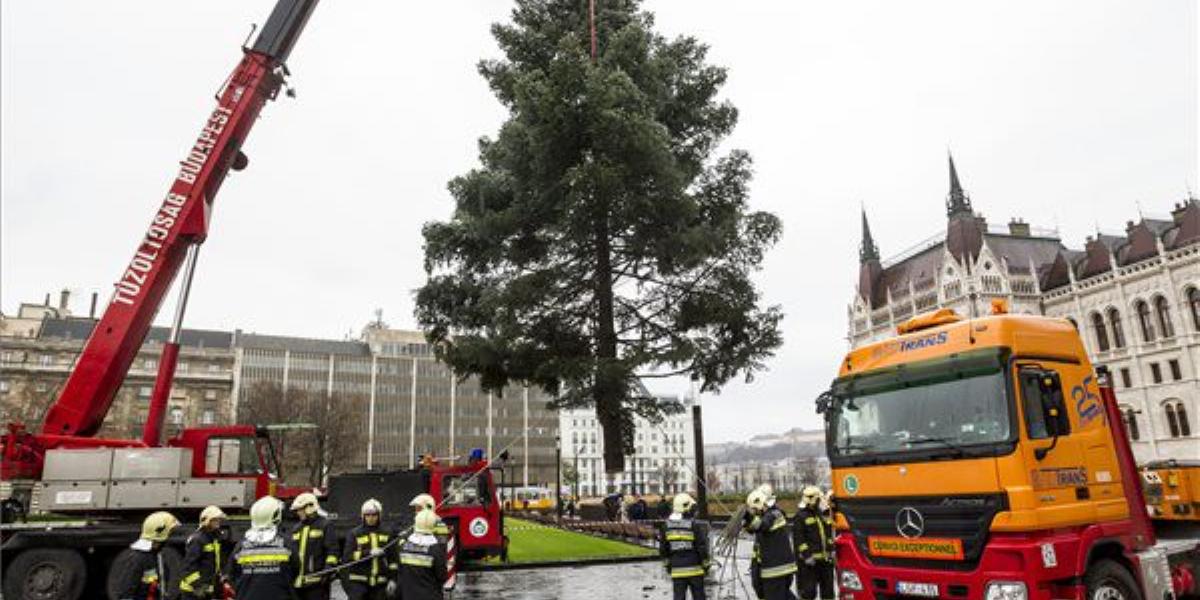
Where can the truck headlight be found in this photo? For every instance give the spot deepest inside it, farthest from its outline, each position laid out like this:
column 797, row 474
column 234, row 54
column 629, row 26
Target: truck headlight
column 851, row 581
column 1006, row 590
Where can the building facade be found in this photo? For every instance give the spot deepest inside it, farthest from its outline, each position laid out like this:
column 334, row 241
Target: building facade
column 412, row 404
column 1135, row 299
column 663, row 462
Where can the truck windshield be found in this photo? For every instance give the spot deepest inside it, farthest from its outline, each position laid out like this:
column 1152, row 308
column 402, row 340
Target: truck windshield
column 940, row 408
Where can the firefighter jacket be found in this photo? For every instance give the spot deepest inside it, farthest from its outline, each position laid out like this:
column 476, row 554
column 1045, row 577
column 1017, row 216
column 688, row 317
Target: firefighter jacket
column 262, row 567
column 315, row 545
column 361, row 543
column 142, row 576
column 772, row 543
column 683, row 542
column 813, row 534
column 422, row 567
column 202, row 564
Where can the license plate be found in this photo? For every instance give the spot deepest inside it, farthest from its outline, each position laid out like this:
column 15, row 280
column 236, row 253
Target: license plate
column 929, row 590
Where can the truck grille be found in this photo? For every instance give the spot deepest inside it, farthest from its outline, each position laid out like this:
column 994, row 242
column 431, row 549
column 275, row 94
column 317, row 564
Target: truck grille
column 966, row 518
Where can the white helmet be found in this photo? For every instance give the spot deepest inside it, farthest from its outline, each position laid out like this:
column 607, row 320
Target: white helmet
column 305, row 504
column 371, row 507
column 761, row 498
column 425, row 521
column 423, row 501
column 683, row 503
column 812, row 496
column 210, row 513
column 266, row 513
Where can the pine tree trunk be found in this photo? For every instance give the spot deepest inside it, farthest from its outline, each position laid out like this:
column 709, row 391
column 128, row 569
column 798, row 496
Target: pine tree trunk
column 607, row 391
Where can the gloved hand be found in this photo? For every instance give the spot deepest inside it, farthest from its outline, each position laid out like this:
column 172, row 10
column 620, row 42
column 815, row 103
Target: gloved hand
column 810, row 561
column 392, row 589
column 376, row 552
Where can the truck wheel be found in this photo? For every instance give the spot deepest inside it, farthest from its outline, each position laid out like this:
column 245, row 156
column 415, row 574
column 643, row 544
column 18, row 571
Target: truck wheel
column 172, row 562
column 1108, row 580
column 45, row 574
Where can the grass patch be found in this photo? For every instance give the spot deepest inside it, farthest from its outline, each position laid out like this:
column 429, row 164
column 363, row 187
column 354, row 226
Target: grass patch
column 533, row 543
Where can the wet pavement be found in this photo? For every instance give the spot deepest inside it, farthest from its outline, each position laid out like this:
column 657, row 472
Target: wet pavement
column 630, row 581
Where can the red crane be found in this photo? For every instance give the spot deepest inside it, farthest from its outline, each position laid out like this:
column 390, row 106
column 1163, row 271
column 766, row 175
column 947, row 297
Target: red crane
column 171, row 241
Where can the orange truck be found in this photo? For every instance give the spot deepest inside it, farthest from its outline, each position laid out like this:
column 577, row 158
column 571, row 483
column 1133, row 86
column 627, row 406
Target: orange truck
column 985, row 459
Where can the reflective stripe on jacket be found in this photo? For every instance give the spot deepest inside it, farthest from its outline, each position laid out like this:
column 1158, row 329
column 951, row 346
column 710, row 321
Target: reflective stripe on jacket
column 358, row 545
column 773, row 543
column 684, row 545
column 316, row 547
column 422, row 567
column 813, row 533
column 201, row 563
column 262, row 570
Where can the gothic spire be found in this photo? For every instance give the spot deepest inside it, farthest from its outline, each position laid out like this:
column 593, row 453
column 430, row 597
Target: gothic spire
column 957, row 202
column 868, row 251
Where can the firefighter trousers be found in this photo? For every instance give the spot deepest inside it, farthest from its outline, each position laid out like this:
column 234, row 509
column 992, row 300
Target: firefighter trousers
column 778, row 588
column 313, row 592
column 683, row 584
column 362, row 591
column 810, row 578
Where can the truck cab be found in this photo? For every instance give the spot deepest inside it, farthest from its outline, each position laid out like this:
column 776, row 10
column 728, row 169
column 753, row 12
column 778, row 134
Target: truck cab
column 974, row 458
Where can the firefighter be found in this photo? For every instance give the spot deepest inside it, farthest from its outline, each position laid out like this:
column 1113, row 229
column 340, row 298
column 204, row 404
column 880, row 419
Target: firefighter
column 315, row 545
column 262, row 566
column 813, row 533
column 773, row 557
column 144, row 576
column 422, row 502
column 683, row 542
column 422, row 560
column 202, row 558
column 371, row 565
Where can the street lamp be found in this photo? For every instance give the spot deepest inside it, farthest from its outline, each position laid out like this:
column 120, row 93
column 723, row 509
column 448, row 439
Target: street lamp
column 558, row 477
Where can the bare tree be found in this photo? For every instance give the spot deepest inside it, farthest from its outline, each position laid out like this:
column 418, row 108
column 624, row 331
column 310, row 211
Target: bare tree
column 808, row 471
column 328, row 447
column 712, row 481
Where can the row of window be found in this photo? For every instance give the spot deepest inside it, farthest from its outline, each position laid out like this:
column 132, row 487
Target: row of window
column 1178, row 424
column 1156, row 373
column 1153, row 320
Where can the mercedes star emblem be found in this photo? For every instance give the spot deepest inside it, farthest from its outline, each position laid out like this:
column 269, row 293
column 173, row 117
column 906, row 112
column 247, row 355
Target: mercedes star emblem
column 910, row 523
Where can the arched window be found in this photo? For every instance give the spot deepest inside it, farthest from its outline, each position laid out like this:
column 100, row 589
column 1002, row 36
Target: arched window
column 1144, row 320
column 1118, row 331
column 1162, row 309
column 1193, row 300
column 1073, row 323
column 1131, row 425
column 1172, row 423
column 1101, row 332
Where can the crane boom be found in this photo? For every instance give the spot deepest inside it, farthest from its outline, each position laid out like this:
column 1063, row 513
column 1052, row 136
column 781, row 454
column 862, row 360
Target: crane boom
column 181, row 222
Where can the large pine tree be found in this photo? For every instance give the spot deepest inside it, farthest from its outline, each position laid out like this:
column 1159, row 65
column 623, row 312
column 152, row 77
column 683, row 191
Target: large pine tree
column 602, row 240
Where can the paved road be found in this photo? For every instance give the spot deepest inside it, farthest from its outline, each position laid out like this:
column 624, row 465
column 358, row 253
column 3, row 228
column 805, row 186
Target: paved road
column 636, row 581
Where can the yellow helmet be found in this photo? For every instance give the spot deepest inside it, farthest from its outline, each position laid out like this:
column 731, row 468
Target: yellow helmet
column 210, row 513
column 266, row 512
column 423, row 501
column 683, row 503
column 305, row 504
column 425, row 521
column 372, row 507
column 157, row 527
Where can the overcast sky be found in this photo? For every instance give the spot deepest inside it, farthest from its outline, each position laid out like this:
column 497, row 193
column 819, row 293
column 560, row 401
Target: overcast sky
column 1067, row 113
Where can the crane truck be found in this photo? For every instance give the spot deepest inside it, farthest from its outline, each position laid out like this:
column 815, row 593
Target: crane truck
column 72, row 501
column 985, row 458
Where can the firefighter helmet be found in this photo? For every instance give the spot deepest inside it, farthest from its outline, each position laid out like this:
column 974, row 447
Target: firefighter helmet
column 157, row 527
column 210, row 513
column 683, row 503
column 421, row 501
column 267, row 512
column 305, row 504
column 425, row 521
column 371, row 507
column 812, row 496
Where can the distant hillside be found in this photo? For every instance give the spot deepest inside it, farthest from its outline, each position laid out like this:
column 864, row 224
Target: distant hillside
column 767, row 447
